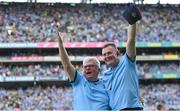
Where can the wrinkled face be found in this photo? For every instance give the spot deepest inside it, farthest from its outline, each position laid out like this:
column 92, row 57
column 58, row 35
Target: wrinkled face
column 109, row 55
column 91, row 70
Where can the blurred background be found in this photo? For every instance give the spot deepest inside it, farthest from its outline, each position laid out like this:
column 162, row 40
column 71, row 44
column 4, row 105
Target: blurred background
column 31, row 74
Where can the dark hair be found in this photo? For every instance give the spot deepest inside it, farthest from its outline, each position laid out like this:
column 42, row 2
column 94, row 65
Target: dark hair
column 159, row 107
column 109, row 44
column 113, row 45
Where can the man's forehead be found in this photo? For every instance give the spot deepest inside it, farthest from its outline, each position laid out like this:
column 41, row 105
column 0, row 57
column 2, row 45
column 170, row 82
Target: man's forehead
column 90, row 62
column 109, row 48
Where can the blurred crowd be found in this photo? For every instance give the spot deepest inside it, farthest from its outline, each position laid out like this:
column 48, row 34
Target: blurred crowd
column 45, row 69
column 33, row 70
column 83, row 23
column 167, row 95
column 150, row 69
column 27, row 22
column 36, row 98
column 58, row 98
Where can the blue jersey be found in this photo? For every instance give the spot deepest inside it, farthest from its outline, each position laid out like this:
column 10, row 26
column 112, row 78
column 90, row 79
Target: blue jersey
column 89, row 95
column 122, row 85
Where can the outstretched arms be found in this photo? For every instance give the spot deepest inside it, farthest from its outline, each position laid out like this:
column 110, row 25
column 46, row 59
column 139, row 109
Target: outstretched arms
column 68, row 67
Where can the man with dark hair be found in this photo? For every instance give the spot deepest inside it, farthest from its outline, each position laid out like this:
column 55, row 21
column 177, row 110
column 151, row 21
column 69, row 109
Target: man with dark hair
column 121, row 78
column 160, row 107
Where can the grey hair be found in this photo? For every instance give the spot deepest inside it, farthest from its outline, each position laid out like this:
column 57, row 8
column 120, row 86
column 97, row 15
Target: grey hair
column 91, row 58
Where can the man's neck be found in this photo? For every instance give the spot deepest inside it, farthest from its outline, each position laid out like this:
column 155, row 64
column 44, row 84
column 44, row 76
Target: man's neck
column 115, row 64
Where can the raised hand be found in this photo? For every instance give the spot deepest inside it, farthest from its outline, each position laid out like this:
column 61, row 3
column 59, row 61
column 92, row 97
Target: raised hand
column 59, row 37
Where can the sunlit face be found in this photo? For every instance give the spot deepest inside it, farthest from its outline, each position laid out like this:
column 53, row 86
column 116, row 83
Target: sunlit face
column 91, row 70
column 110, row 56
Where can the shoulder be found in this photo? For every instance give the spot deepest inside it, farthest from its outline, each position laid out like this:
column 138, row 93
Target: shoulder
column 78, row 78
column 125, row 59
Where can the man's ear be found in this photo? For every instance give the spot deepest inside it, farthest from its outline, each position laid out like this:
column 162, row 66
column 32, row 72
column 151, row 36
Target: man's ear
column 117, row 52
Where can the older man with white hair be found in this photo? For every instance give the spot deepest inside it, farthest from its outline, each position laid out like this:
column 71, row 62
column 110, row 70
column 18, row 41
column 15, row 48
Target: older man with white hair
column 88, row 91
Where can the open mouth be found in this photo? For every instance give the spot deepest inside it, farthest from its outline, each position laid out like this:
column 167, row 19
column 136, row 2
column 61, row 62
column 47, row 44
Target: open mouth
column 88, row 73
column 108, row 60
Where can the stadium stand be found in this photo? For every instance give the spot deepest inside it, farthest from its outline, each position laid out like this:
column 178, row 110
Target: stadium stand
column 32, row 77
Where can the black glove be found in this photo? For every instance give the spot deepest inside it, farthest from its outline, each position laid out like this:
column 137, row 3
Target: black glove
column 132, row 14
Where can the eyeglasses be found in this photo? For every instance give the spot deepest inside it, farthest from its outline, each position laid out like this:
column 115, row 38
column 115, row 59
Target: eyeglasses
column 90, row 66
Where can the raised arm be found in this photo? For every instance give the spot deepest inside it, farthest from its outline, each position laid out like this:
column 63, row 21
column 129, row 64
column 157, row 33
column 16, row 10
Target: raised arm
column 132, row 15
column 131, row 42
column 68, row 67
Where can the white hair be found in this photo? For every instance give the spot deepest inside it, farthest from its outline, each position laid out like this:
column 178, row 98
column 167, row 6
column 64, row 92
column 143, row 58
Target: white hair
column 91, row 58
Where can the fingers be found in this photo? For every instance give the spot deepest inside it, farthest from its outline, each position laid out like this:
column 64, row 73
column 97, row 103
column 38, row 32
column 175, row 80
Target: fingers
column 132, row 14
column 59, row 37
column 59, row 34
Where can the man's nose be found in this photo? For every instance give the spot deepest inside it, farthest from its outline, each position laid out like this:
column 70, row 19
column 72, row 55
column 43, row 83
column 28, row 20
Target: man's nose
column 87, row 68
column 106, row 55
